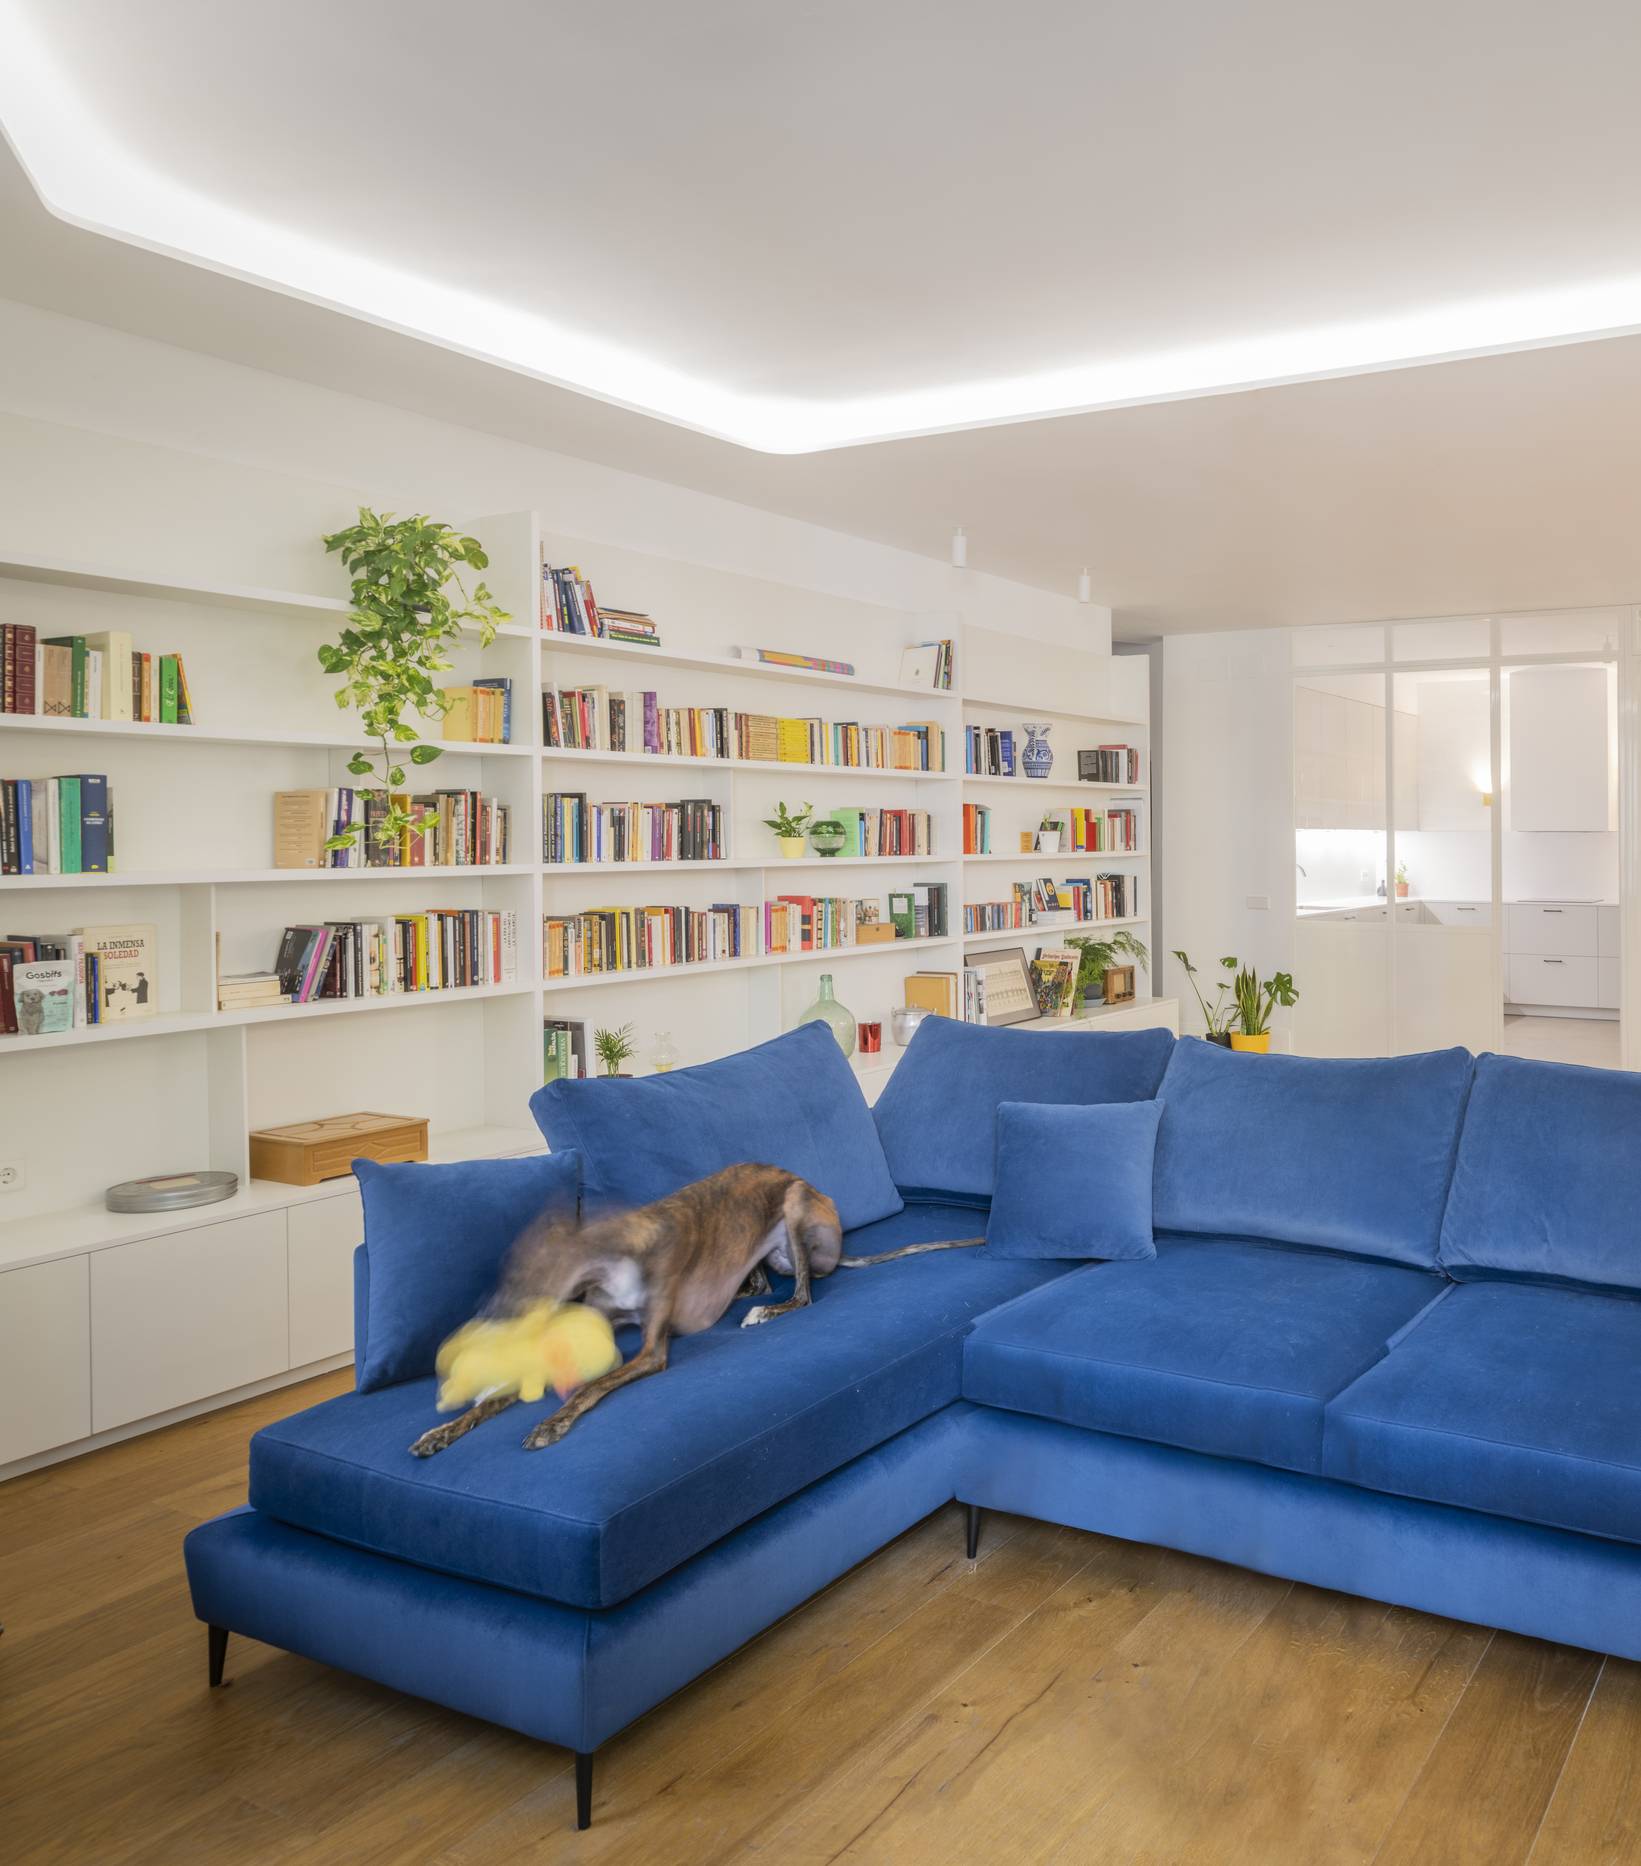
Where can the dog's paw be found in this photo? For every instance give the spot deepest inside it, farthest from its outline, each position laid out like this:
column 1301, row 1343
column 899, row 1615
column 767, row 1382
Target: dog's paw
column 433, row 1441
column 754, row 1316
column 549, row 1432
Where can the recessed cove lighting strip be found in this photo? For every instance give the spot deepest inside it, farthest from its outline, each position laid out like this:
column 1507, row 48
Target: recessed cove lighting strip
column 84, row 178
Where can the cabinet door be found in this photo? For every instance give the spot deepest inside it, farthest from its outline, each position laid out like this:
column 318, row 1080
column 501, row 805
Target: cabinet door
column 1606, row 932
column 323, row 1236
column 1538, row 979
column 186, row 1315
column 1560, row 756
column 45, row 1357
column 1568, row 932
column 1461, row 913
column 1607, row 986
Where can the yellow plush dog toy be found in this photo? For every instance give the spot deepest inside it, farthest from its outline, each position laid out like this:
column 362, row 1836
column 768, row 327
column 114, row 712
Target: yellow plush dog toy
column 561, row 1345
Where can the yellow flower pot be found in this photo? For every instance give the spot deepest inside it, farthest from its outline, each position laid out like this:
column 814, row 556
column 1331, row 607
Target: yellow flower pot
column 1261, row 1044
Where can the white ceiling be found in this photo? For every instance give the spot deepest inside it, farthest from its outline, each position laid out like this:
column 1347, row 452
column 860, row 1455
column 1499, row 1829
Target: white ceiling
column 830, row 202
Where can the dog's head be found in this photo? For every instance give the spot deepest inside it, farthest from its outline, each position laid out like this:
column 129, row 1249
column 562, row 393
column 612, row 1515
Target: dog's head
column 599, row 1263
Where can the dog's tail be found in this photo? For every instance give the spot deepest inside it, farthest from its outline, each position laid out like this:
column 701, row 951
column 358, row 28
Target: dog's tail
column 906, row 1250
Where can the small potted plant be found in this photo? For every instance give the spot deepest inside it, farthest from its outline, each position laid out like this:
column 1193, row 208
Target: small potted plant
column 1098, row 954
column 1401, row 881
column 614, row 1048
column 1218, row 1015
column 1255, row 1000
column 789, row 827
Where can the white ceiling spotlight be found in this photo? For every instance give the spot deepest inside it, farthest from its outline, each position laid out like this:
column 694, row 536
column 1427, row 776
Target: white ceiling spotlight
column 960, row 549
column 1085, row 589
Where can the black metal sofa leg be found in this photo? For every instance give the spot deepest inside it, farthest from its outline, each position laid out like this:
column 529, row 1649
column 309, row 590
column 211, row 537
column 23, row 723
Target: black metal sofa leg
column 975, row 1514
column 217, row 1637
column 583, row 1790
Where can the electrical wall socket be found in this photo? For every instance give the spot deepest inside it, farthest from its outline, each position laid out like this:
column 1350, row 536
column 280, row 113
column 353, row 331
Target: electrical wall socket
column 11, row 1177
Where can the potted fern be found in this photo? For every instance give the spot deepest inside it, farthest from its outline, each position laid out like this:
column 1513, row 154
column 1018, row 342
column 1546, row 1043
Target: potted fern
column 409, row 605
column 1216, row 1016
column 1097, row 955
column 1256, row 998
column 789, row 827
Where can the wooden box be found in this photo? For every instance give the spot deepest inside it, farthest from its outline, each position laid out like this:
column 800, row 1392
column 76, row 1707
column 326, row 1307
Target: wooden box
column 308, row 1152
column 1119, row 984
column 874, row 932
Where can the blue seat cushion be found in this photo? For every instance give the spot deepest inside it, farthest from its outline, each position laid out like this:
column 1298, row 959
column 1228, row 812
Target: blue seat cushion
column 435, row 1241
column 793, row 1102
column 1344, row 1154
column 1518, row 1400
column 938, row 1115
column 1548, row 1179
column 1074, row 1182
column 739, row 1421
column 1219, row 1345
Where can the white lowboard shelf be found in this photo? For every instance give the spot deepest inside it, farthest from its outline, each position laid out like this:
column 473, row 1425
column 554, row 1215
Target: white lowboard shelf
column 193, row 806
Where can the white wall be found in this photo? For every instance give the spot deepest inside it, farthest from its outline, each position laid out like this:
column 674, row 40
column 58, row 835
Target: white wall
column 1227, row 807
column 116, row 449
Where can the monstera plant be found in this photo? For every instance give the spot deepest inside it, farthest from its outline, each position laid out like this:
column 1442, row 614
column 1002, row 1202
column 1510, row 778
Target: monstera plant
column 409, row 604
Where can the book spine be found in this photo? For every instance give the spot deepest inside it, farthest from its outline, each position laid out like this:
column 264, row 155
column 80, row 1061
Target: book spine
column 168, row 689
column 25, row 827
column 24, row 691
column 93, row 824
column 68, row 816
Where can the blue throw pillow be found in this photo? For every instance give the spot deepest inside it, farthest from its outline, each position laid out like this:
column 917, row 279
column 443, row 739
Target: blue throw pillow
column 1548, row 1181
column 435, row 1238
column 1345, row 1153
column 938, row 1115
column 793, row 1102
column 1074, row 1181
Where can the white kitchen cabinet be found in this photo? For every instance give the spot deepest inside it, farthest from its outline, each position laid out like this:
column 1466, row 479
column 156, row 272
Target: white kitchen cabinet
column 1607, row 927
column 45, row 1357
column 323, row 1236
column 1540, row 978
column 186, row 1315
column 1607, row 989
column 1461, row 913
column 1567, row 930
column 1560, row 749
column 1339, row 763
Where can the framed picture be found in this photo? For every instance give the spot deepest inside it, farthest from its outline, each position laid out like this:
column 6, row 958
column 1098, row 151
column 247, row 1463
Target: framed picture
column 1010, row 996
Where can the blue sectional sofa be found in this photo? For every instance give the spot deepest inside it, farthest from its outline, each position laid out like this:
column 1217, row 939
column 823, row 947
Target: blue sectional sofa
column 1382, row 1335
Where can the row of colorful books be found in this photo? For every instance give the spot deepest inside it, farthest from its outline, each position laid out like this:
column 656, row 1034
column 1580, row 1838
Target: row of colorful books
column 818, row 923
column 1114, row 830
column 90, row 677
column 568, row 607
column 1108, row 764
column 576, row 831
column 63, row 981
column 869, row 833
column 1100, row 897
column 976, row 829
column 480, row 713
column 597, row 719
column 442, row 949
column 988, row 752
column 628, row 939
column 57, row 826
column 452, row 829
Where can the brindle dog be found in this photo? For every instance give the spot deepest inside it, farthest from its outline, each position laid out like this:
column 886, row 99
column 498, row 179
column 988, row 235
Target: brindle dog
column 675, row 1266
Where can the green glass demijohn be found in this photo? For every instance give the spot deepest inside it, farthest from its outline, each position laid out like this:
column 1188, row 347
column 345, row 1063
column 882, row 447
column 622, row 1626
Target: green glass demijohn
column 826, row 1010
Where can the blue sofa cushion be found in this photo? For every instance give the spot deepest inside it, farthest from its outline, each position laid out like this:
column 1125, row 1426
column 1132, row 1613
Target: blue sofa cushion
column 1074, row 1182
column 938, row 1115
column 740, row 1420
column 1548, row 1179
column 1220, row 1345
column 1352, row 1155
column 793, row 1102
column 1518, row 1400
column 435, row 1238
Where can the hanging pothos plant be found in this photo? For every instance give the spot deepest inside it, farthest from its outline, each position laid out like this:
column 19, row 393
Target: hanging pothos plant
column 409, row 604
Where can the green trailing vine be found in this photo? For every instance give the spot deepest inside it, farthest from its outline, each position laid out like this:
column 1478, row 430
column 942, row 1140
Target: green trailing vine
column 408, row 605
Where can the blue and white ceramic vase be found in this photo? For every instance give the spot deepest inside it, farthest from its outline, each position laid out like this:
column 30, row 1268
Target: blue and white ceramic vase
column 1037, row 760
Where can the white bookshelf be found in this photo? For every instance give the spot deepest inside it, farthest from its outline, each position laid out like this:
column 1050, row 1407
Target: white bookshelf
column 183, row 1088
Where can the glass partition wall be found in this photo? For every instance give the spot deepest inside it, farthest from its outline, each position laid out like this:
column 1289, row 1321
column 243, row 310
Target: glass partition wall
column 1456, row 835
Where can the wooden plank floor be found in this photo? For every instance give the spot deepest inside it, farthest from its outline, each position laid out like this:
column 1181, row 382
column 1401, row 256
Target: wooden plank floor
column 1067, row 1698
